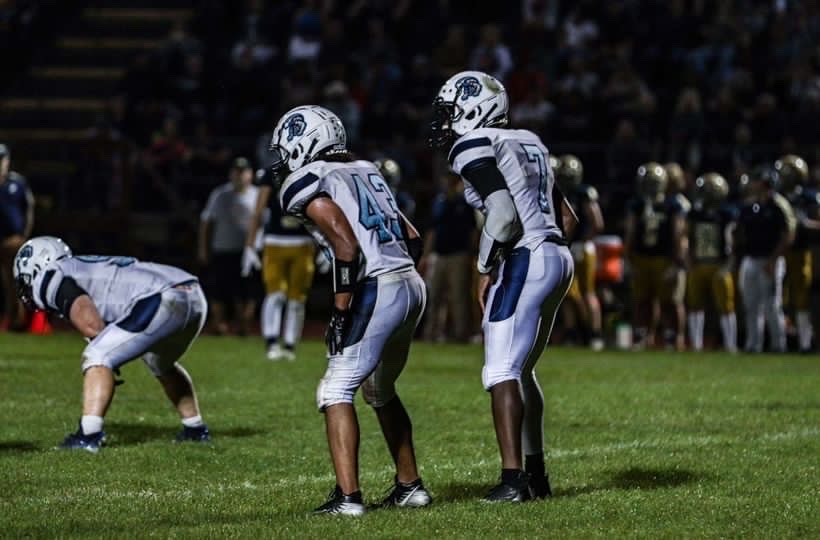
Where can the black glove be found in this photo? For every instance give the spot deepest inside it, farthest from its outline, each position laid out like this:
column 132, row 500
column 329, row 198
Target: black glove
column 337, row 331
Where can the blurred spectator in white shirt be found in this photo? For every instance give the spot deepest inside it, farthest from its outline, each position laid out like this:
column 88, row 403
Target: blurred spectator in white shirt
column 223, row 229
column 492, row 56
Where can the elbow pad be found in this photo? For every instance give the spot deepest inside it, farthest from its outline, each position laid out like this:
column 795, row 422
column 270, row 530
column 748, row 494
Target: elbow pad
column 501, row 227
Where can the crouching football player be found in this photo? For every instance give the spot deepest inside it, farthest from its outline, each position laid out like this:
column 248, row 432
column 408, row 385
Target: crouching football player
column 125, row 309
column 378, row 301
column 506, row 174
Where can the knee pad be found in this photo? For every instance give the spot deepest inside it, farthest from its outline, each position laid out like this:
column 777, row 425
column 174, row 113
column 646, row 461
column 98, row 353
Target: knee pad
column 491, row 376
column 93, row 358
column 337, row 385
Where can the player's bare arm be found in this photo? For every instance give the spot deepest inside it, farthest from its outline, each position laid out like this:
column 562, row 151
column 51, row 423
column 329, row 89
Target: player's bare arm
column 333, row 224
column 569, row 219
column 592, row 211
column 85, row 317
column 412, row 239
column 682, row 240
column 788, row 234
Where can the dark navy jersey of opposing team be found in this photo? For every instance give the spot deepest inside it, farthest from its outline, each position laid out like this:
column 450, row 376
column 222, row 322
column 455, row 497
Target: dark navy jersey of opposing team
column 15, row 201
column 708, row 234
column 654, row 231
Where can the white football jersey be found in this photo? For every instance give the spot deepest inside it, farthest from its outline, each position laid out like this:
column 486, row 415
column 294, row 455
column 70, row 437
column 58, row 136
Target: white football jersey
column 368, row 204
column 524, row 162
column 114, row 284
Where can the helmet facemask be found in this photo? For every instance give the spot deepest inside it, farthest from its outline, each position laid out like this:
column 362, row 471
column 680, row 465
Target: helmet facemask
column 445, row 113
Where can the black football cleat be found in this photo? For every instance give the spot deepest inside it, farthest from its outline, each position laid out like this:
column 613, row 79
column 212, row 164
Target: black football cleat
column 513, row 490
column 194, row 434
column 80, row 441
column 412, row 495
column 343, row 505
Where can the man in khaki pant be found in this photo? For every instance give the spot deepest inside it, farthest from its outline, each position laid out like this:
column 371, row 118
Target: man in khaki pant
column 448, row 264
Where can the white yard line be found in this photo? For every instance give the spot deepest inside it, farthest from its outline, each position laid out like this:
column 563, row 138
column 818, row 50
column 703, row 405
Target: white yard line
column 84, row 493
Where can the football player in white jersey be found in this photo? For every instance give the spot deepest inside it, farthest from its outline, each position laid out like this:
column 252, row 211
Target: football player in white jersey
column 378, row 295
column 507, row 176
column 125, row 309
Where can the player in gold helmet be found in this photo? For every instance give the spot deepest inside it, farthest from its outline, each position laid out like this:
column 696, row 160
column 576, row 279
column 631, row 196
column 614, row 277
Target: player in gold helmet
column 656, row 245
column 711, row 222
column 582, row 296
column 793, row 176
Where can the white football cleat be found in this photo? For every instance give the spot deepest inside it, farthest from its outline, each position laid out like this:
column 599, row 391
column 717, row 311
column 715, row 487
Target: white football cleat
column 287, row 354
column 275, row 353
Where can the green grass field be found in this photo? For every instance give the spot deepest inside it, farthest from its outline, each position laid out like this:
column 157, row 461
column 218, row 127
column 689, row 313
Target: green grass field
column 640, row 445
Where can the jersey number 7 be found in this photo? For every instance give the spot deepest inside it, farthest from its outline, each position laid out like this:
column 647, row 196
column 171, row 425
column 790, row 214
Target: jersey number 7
column 535, row 155
column 371, row 215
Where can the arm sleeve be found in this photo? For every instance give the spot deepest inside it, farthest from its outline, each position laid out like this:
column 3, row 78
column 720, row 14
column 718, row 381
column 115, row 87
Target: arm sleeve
column 67, row 293
column 502, row 223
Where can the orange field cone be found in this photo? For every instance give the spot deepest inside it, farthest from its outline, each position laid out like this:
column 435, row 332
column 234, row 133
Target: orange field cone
column 39, row 323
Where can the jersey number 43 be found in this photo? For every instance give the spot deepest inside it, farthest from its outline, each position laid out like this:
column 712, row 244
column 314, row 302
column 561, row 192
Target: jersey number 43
column 371, row 215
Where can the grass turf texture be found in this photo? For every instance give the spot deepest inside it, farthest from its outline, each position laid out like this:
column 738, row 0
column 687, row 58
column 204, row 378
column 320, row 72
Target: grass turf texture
column 641, row 444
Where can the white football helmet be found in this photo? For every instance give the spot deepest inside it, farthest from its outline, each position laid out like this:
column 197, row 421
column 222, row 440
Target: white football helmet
column 303, row 133
column 34, row 257
column 468, row 100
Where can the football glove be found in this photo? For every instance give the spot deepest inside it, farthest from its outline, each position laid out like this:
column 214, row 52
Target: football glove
column 337, row 330
column 250, row 261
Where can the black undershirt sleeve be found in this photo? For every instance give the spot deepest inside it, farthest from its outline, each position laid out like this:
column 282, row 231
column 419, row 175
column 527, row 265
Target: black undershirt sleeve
column 485, row 177
column 68, row 292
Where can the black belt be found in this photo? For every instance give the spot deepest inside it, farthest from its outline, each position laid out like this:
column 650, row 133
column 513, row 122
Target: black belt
column 557, row 240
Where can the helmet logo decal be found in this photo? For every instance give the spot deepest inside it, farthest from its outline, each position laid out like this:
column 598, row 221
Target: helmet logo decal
column 295, row 126
column 468, row 87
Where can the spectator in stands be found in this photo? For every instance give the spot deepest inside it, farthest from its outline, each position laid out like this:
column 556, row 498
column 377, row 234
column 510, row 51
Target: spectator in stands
column 448, row 263
column 16, row 221
column 579, row 29
column 223, row 228
column 165, row 160
column 452, row 55
column 105, row 158
column 338, row 100
column 253, row 34
column 305, row 42
column 492, row 56
column 686, row 128
column 533, row 113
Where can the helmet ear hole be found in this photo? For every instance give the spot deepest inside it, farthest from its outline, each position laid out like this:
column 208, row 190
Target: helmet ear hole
column 295, row 153
column 471, row 115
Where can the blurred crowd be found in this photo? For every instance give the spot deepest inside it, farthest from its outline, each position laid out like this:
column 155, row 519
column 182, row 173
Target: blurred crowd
column 717, row 85
column 712, row 85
